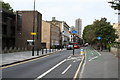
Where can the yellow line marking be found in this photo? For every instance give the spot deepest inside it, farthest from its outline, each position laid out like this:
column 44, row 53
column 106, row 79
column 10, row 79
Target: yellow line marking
column 80, row 65
column 23, row 62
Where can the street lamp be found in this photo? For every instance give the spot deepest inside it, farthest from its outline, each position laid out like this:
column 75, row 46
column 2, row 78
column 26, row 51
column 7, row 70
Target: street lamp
column 33, row 29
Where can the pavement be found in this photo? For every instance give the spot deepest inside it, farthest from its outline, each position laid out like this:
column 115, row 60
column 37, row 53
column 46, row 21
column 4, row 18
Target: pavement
column 11, row 58
column 100, row 65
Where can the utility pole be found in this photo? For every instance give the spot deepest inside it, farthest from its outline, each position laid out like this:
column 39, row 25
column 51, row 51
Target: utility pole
column 33, row 30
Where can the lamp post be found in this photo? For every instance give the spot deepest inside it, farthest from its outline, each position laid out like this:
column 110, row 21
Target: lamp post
column 33, row 30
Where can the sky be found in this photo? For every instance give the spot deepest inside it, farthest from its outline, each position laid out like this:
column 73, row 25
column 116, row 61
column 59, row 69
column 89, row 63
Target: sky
column 69, row 10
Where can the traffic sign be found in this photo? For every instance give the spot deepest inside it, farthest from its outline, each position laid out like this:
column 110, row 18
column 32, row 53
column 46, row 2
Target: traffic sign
column 98, row 37
column 74, row 31
column 33, row 33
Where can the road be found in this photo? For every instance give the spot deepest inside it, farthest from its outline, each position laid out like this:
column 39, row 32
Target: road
column 58, row 65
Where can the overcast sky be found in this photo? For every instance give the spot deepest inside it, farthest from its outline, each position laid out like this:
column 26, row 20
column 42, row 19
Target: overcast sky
column 69, row 10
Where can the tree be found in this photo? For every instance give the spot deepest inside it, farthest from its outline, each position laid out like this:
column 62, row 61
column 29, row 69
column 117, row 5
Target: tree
column 99, row 28
column 104, row 30
column 115, row 4
column 6, row 6
column 88, row 34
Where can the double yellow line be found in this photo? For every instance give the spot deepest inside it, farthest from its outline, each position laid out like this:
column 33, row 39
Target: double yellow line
column 79, row 67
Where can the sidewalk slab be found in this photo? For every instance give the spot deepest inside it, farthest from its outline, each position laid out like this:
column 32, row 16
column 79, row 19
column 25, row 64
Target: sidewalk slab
column 11, row 58
column 105, row 66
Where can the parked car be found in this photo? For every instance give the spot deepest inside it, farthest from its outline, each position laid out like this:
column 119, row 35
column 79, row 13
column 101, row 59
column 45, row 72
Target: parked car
column 69, row 47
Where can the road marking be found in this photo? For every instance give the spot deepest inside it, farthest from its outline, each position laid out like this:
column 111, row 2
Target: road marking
column 93, row 58
column 92, row 53
column 66, row 69
column 51, row 69
column 69, row 56
column 82, row 70
column 98, row 52
column 80, row 65
column 74, row 61
column 23, row 62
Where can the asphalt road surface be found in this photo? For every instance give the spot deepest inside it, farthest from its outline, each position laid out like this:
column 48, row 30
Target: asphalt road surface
column 59, row 65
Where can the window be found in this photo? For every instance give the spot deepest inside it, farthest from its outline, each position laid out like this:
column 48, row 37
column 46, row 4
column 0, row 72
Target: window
column 19, row 22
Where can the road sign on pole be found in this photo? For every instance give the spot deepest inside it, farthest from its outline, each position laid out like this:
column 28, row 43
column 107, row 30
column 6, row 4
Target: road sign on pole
column 33, row 33
column 98, row 37
column 74, row 31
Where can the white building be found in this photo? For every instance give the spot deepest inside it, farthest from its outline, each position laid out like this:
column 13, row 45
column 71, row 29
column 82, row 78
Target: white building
column 64, row 30
column 65, row 33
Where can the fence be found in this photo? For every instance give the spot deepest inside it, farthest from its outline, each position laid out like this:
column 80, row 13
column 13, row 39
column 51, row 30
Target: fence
column 15, row 49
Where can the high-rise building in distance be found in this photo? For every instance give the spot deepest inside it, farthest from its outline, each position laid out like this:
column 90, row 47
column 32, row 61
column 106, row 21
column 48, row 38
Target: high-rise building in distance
column 78, row 25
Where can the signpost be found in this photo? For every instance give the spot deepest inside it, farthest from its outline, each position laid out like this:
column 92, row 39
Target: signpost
column 99, row 44
column 33, row 33
column 73, row 32
column 98, row 37
column 82, row 51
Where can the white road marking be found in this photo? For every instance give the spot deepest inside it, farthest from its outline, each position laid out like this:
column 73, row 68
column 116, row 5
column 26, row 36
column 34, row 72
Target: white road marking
column 66, row 69
column 93, row 58
column 78, row 59
column 92, row 53
column 69, row 56
column 51, row 69
column 74, row 61
column 98, row 52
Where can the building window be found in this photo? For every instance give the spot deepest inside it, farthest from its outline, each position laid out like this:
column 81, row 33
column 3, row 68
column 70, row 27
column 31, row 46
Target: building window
column 19, row 22
column 4, row 30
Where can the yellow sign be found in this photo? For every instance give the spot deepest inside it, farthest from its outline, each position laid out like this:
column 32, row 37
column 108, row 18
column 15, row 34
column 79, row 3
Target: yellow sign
column 33, row 33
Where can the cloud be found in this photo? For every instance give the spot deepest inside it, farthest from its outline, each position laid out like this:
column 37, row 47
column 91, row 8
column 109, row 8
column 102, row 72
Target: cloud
column 68, row 10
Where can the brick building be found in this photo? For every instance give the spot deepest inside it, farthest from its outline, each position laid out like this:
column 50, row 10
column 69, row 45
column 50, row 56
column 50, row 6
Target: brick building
column 8, row 29
column 24, row 27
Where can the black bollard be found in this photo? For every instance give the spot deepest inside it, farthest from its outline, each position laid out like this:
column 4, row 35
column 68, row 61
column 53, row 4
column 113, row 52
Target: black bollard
column 46, row 50
column 37, row 52
column 49, row 50
column 42, row 51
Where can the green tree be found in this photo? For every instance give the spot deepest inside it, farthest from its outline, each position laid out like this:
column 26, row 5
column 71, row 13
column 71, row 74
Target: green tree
column 88, row 34
column 104, row 30
column 6, row 6
column 115, row 4
column 99, row 28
